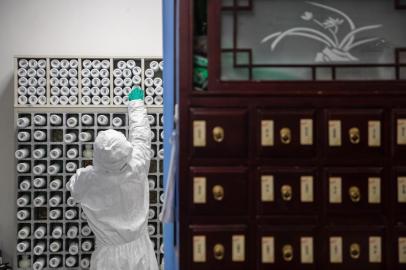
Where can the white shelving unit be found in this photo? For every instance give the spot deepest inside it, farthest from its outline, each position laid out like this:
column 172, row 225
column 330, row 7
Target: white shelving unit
column 40, row 214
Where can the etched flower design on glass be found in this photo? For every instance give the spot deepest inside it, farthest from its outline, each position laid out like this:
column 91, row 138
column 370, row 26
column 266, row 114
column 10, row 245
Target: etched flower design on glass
column 338, row 45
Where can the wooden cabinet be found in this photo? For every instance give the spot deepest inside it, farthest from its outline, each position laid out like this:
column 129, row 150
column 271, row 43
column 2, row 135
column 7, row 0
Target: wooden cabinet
column 292, row 151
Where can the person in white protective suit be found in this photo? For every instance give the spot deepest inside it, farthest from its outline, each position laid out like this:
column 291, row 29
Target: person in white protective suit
column 114, row 194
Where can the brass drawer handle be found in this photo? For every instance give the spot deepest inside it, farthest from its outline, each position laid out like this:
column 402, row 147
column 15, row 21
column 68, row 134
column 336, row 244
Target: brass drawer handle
column 287, row 253
column 286, row 192
column 286, row 135
column 218, row 252
column 355, row 135
column 355, row 194
column 355, row 251
column 218, row 134
column 218, row 192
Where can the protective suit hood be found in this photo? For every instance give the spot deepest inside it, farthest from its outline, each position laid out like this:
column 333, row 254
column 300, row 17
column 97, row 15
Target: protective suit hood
column 112, row 151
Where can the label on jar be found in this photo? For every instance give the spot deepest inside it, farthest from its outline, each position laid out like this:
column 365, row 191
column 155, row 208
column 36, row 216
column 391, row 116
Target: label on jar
column 306, row 189
column 374, row 133
column 267, row 188
column 336, row 249
column 268, row 249
column 335, row 190
column 238, row 248
column 402, row 189
column 267, row 133
column 402, row 249
column 375, row 249
column 374, row 190
column 334, row 133
column 306, row 131
column 199, row 190
column 199, row 248
column 401, row 131
column 306, row 249
column 199, row 133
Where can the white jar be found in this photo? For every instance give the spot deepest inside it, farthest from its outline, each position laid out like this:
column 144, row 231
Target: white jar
column 23, row 167
column 39, row 182
column 23, row 200
column 55, row 214
column 71, row 214
column 70, row 137
column 23, row 246
column 55, row 184
column 22, row 153
column 72, row 232
column 23, row 214
column 40, row 232
column 72, row 153
column 55, row 120
column 102, row 120
column 25, row 185
column 24, row 232
column 39, row 248
column 71, row 167
column 38, row 153
column 55, row 200
column 55, row 153
column 54, row 169
column 39, row 201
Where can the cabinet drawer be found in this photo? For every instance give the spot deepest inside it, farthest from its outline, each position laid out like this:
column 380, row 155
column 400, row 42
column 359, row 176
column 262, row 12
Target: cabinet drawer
column 399, row 135
column 351, row 134
column 354, row 191
column 355, row 248
column 218, row 133
column 399, row 247
column 286, row 133
column 288, row 247
column 218, row 191
column 287, row 191
column 218, row 247
column 398, row 190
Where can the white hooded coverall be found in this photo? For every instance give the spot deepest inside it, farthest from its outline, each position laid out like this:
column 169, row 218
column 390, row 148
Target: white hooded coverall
column 114, row 194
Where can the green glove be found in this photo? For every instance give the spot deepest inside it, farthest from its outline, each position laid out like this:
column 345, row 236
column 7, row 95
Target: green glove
column 136, row 94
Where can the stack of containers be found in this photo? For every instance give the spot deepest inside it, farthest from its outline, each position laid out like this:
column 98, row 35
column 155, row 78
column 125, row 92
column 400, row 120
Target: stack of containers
column 64, row 81
column 95, row 82
column 127, row 74
column 52, row 229
column 31, row 81
column 153, row 82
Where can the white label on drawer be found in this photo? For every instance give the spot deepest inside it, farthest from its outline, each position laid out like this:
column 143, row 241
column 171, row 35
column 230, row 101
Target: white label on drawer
column 335, row 190
column 199, row 248
column 267, row 133
column 402, row 189
column 306, row 131
column 306, row 249
column 402, row 249
column 374, row 133
column 199, row 190
column 336, row 249
column 238, row 248
column 306, row 189
column 334, row 133
column 374, row 190
column 199, row 133
column 268, row 249
column 267, row 188
column 401, row 134
column 375, row 249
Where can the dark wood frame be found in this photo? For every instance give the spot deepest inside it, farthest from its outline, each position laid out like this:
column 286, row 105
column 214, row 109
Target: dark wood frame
column 309, row 94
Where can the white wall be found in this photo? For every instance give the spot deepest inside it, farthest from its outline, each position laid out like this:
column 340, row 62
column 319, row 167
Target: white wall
column 63, row 27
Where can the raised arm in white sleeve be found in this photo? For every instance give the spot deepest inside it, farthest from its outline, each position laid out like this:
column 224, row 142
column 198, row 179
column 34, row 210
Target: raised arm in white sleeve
column 139, row 132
